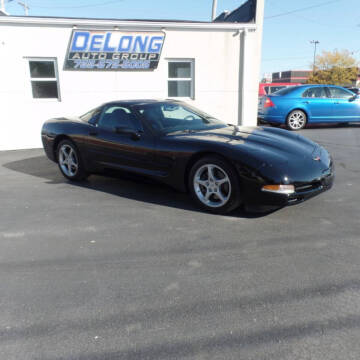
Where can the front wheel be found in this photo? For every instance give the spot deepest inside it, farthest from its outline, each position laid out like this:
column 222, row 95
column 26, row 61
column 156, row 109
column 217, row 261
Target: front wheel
column 214, row 185
column 69, row 161
column 296, row 120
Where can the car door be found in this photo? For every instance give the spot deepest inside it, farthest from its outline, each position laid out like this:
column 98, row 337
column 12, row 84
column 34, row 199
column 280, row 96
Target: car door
column 118, row 141
column 346, row 106
column 318, row 104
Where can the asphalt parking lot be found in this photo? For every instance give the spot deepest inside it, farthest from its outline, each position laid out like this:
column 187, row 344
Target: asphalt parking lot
column 122, row 269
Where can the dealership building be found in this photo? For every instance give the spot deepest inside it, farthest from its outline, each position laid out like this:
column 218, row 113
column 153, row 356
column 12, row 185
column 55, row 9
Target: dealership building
column 51, row 67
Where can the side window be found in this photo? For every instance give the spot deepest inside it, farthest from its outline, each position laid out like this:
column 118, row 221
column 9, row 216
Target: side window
column 315, row 92
column 181, row 78
column 44, row 78
column 338, row 93
column 116, row 116
column 274, row 89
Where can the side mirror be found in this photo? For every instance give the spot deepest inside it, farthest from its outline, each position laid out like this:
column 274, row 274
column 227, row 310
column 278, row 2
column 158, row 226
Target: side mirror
column 354, row 97
column 135, row 135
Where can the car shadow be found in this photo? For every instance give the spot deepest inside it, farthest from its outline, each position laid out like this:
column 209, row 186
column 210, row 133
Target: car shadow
column 119, row 184
column 333, row 126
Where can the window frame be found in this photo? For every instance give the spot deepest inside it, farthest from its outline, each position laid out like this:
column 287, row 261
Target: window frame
column 325, row 89
column 56, row 78
column 338, row 88
column 191, row 78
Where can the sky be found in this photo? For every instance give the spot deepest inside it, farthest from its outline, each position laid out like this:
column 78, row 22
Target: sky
column 289, row 25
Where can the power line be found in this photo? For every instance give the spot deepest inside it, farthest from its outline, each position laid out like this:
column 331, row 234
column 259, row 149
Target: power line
column 325, row 24
column 76, row 6
column 301, row 9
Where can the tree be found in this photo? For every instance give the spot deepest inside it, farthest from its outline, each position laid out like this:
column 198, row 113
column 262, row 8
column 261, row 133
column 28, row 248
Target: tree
column 334, row 67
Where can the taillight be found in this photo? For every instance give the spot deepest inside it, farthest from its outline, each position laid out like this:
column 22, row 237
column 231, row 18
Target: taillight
column 268, row 103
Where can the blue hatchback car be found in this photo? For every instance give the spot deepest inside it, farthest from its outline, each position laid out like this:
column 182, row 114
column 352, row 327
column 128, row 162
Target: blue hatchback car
column 297, row 106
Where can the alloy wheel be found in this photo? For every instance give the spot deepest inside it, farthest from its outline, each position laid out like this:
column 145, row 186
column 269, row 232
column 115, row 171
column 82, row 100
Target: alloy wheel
column 297, row 120
column 68, row 160
column 212, row 185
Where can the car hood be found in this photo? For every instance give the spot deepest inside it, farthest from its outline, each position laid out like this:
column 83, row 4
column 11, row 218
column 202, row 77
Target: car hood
column 261, row 140
column 271, row 149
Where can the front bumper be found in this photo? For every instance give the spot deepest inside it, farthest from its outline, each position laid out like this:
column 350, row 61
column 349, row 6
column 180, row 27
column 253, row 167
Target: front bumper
column 308, row 191
column 48, row 144
column 303, row 191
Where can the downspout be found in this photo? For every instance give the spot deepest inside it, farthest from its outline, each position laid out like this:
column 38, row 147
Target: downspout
column 242, row 57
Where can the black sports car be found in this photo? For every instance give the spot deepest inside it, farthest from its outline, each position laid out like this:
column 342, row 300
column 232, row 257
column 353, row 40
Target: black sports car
column 221, row 165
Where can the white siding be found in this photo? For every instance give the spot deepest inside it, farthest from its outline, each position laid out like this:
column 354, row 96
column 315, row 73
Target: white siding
column 217, row 61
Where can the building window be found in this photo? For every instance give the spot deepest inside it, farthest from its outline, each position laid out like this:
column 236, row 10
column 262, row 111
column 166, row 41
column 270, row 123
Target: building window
column 181, row 78
column 44, row 78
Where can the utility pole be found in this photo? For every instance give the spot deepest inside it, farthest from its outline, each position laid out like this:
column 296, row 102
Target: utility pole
column 26, row 8
column 214, row 8
column 315, row 42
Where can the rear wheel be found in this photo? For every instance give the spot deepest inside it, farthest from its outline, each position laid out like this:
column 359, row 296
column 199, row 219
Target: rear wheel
column 69, row 161
column 296, row 120
column 214, row 185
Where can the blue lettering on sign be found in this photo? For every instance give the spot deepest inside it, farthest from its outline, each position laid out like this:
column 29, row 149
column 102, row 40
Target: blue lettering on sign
column 140, row 43
column 121, row 47
column 115, row 50
column 96, row 43
column 108, row 48
column 155, row 44
column 78, row 36
column 84, row 41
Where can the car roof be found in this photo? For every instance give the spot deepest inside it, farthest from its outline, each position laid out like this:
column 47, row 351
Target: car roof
column 279, row 84
column 140, row 101
column 316, row 85
column 296, row 90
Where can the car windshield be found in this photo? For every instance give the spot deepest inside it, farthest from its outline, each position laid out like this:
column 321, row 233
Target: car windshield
column 284, row 91
column 168, row 117
column 87, row 116
column 91, row 116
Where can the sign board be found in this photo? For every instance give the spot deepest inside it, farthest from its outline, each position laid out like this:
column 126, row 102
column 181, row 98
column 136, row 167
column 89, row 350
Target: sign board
column 113, row 50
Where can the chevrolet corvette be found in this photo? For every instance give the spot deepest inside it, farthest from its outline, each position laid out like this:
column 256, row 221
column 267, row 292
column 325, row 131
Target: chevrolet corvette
column 221, row 165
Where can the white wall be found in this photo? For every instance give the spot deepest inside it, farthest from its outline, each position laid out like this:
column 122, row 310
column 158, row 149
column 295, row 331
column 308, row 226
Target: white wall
column 217, row 60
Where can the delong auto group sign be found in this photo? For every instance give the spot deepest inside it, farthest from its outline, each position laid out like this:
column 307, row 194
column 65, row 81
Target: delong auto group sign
column 113, row 50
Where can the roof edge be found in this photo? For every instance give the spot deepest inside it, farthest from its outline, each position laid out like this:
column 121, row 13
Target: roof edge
column 148, row 24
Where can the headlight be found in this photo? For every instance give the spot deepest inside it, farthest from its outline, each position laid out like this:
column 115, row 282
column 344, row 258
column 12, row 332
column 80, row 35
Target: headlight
column 279, row 189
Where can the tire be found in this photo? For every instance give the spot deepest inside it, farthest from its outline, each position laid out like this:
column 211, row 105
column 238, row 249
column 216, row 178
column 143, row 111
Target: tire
column 343, row 124
column 296, row 120
column 214, row 185
column 70, row 162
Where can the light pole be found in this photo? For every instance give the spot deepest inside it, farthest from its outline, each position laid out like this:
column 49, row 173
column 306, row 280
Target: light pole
column 214, row 7
column 24, row 5
column 315, row 42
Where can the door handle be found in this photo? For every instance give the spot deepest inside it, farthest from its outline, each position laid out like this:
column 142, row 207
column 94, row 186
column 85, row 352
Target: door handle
column 305, row 102
column 93, row 133
column 336, row 102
